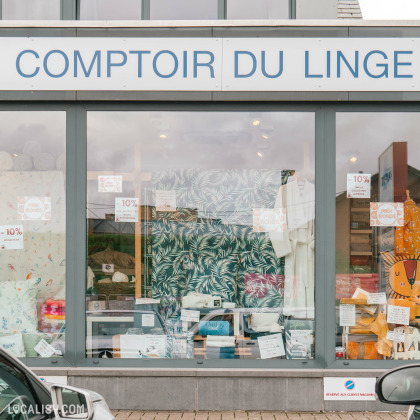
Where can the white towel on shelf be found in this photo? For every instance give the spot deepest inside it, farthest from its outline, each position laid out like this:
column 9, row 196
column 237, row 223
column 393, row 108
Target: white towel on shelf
column 44, row 162
column 22, row 163
column 6, row 161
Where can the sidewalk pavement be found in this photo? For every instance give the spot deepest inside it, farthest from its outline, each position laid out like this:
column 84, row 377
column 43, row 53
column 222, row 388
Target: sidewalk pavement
column 254, row 415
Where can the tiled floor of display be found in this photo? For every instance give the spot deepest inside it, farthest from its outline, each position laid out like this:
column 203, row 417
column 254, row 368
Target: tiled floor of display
column 252, row 415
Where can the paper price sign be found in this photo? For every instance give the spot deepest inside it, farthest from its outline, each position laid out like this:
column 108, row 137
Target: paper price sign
column 110, row 183
column 347, row 315
column 165, row 200
column 269, row 220
column 127, row 209
column 191, row 316
column 376, row 299
column 11, row 237
column 398, row 315
column 387, row 214
column 358, row 185
column 44, row 349
column 271, row 346
column 395, row 336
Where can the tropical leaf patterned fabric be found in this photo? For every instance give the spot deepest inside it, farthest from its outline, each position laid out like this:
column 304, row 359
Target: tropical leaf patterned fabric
column 208, row 244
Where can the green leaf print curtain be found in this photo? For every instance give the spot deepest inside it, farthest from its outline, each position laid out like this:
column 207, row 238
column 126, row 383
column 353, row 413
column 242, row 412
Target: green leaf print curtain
column 208, row 244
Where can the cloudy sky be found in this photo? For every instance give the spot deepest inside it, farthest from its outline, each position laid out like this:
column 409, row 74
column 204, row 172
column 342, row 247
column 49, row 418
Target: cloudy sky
column 390, row 9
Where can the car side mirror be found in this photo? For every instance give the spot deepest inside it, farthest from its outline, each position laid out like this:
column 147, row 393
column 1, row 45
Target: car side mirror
column 71, row 403
column 400, row 386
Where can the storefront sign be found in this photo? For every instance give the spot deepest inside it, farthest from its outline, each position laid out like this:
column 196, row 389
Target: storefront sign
column 358, row 185
column 271, row 346
column 34, row 208
column 126, row 209
column 398, row 315
column 210, row 64
column 387, row 214
column 110, row 183
column 165, row 200
column 11, row 237
column 350, row 389
column 347, row 315
column 269, row 220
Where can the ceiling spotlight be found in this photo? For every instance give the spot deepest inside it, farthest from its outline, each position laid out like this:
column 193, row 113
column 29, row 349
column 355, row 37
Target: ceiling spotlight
column 256, row 123
column 163, row 136
column 353, row 159
column 260, row 154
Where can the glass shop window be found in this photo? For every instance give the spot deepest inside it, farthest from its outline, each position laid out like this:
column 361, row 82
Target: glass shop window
column 258, row 9
column 31, row 9
column 183, row 9
column 200, row 235
column 378, row 236
column 110, row 9
column 32, row 233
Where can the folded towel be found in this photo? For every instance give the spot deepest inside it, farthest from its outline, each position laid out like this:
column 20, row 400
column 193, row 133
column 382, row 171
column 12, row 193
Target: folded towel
column 220, row 341
column 44, row 162
column 56, row 303
column 6, row 161
column 60, row 163
column 54, row 316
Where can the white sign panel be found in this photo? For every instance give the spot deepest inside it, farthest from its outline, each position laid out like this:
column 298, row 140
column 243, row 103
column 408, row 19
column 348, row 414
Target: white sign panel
column 34, row 208
column 148, row 320
column 376, row 298
column 350, row 389
column 210, row 64
column 347, row 315
column 11, row 237
column 395, row 336
column 110, row 183
column 62, row 380
column 387, row 214
column 271, row 346
column 358, row 185
column 398, row 315
column 165, row 200
column 269, row 220
column 191, row 316
column 142, row 346
column 44, row 349
column 126, row 209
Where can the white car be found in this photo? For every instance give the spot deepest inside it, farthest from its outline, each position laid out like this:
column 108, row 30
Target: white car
column 23, row 396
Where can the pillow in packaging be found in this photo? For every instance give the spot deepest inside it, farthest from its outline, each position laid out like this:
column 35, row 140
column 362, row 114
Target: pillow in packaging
column 213, row 328
column 13, row 344
column 265, row 322
column 196, row 300
column 18, row 306
column 30, row 341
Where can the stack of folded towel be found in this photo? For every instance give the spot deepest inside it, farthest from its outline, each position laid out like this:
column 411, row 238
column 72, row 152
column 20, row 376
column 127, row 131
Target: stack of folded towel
column 53, row 314
column 220, row 347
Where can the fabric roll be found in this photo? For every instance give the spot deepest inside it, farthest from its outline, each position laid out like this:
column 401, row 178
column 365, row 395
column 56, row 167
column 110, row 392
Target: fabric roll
column 22, row 163
column 6, row 161
column 60, row 163
column 32, row 148
column 44, row 162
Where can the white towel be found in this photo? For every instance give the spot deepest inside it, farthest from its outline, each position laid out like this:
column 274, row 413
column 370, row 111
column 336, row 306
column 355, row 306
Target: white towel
column 44, row 162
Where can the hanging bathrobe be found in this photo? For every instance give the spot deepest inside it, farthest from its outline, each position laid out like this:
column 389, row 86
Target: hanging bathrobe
column 297, row 246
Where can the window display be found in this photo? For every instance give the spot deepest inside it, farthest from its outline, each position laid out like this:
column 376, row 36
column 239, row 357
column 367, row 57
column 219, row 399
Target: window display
column 200, row 235
column 30, row 10
column 32, row 233
column 377, row 236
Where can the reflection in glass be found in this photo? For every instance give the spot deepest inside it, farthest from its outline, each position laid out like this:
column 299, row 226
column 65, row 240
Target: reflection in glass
column 377, row 235
column 200, row 235
column 33, row 252
column 110, row 10
column 183, row 9
column 257, row 9
column 30, row 9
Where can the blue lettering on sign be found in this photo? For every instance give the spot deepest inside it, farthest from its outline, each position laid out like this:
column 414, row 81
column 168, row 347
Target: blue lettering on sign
column 397, row 63
column 307, row 75
column 66, row 63
column 355, row 71
column 209, row 64
column 384, row 65
column 96, row 57
column 111, row 64
column 165, row 76
column 139, row 57
column 264, row 72
column 36, row 71
column 254, row 64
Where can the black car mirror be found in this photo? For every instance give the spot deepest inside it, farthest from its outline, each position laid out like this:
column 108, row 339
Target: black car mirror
column 400, row 386
column 71, row 403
